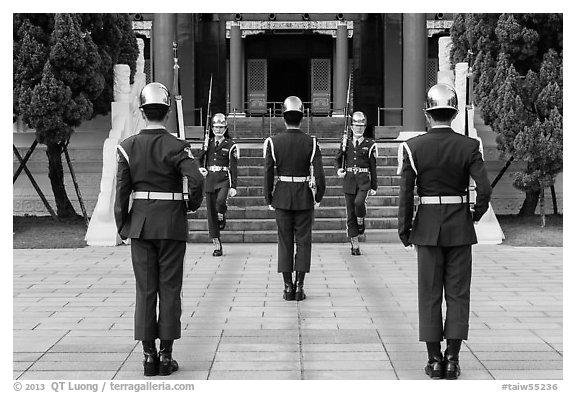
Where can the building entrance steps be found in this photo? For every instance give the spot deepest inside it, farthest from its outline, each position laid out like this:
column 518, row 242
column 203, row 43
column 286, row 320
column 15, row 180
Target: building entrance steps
column 249, row 219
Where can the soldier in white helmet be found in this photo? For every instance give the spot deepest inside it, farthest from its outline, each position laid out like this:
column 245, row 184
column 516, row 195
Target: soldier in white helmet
column 221, row 171
column 440, row 163
column 151, row 165
column 290, row 155
column 360, row 177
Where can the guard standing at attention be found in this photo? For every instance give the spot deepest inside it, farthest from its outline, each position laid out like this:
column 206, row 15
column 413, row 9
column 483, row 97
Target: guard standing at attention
column 440, row 163
column 221, row 173
column 151, row 166
column 301, row 185
column 360, row 178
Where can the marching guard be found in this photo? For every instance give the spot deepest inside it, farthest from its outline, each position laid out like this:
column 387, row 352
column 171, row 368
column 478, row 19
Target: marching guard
column 360, row 177
column 301, row 185
column 440, row 163
column 221, row 174
column 151, row 166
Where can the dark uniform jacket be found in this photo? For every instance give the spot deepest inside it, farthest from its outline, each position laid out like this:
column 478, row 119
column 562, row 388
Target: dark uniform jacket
column 155, row 161
column 440, row 162
column 225, row 155
column 363, row 156
column 291, row 151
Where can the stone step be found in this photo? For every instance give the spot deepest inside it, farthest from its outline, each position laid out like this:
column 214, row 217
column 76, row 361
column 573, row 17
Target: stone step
column 327, row 161
column 327, row 201
column 258, row 181
column 256, row 149
column 262, row 212
column 327, row 236
column 269, row 224
column 334, row 190
column 329, row 170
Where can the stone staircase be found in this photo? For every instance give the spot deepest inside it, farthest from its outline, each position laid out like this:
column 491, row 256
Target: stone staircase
column 326, row 128
column 249, row 221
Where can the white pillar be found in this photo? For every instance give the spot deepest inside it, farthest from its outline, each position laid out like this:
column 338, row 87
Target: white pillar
column 488, row 230
column 445, row 73
column 126, row 121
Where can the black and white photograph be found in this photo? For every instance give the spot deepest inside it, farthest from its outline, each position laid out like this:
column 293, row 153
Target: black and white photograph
column 207, row 201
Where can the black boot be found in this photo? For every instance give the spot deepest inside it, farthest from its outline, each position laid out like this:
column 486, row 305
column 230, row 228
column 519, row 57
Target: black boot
column 434, row 366
column 217, row 247
column 150, row 358
column 167, row 365
column 299, row 291
column 288, row 286
column 451, row 358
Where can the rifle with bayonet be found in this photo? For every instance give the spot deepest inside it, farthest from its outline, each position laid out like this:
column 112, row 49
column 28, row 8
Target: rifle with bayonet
column 346, row 127
column 180, row 131
column 207, row 129
column 471, row 190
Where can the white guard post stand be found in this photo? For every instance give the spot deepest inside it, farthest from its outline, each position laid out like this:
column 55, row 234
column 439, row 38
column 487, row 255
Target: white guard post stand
column 488, row 230
column 126, row 121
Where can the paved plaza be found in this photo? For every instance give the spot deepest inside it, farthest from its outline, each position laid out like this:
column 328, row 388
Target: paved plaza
column 73, row 315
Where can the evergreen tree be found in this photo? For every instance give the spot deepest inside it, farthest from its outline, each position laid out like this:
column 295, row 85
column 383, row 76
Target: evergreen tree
column 518, row 88
column 63, row 75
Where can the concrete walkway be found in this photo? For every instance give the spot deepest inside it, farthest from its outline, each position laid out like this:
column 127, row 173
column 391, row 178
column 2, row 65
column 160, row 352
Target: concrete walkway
column 73, row 315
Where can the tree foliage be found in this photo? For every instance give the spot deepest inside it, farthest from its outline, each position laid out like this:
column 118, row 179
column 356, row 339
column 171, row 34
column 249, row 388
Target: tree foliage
column 518, row 88
column 63, row 75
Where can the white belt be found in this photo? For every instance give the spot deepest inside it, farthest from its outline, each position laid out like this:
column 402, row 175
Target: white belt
column 442, row 200
column 216, row 168
column 164, row 196
column 356, row 169
column 294, row 179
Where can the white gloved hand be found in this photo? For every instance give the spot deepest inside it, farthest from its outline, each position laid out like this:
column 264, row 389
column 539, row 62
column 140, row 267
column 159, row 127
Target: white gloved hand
column 232, row 192
column 341, row 173
column 372, row 192
column 411, row 247
column 203, row 171
column 270, row 207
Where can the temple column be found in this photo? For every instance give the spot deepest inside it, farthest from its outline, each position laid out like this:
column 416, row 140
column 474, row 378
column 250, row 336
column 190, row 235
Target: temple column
column 341, row 69
column 414, row 38
column 236, row 101
column 163, row 35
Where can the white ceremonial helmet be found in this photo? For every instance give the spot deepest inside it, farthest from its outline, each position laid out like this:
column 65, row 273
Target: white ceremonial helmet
column 358, row 123
column 219, row 124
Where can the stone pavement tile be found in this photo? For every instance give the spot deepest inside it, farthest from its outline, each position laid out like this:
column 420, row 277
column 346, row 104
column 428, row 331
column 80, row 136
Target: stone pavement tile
column 26, row 356
column 182, row 374
column 522, row 356
column 255, row 375
column 239, row 347
column 348, row 338
column 418, row 374
column 526, row 374
column 67, row 375
column 21, row 366
column 278, row 339
column 346, row 365
column 260, row 332
column 35, row 341
column 334, row 355
column 349, row 375
column 255, row 366
column 342, row 347
column 89, row 344
column 505, row 347
column 88, row 365
column 523, row 364
column 257, row 356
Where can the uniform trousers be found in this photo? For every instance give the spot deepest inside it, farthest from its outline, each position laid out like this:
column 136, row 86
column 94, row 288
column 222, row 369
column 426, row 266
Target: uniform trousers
column 158, row 268
column 294, row 227
column 355, row 207
column 216, row 202
column 448, row 270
